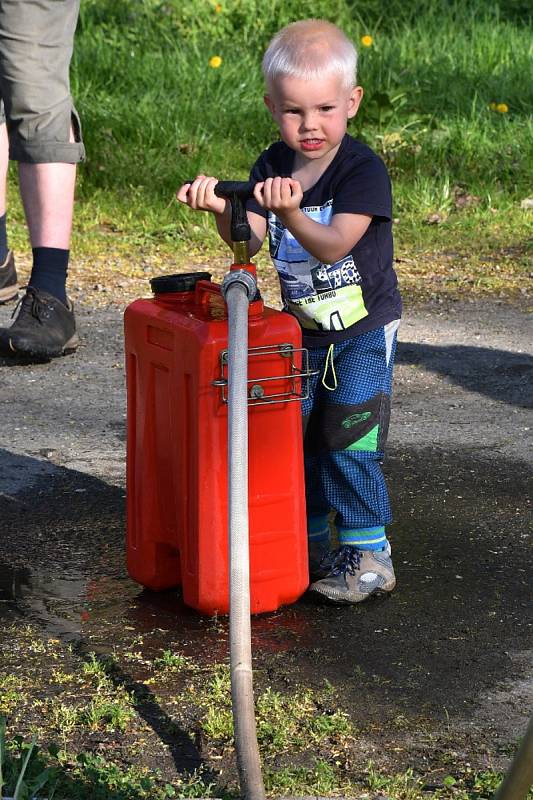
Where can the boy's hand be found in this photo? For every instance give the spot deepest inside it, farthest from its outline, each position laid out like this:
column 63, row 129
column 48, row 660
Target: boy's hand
column 281, row 195
column 200, row 195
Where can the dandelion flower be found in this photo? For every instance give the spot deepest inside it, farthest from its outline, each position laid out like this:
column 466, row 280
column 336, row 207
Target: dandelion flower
column 218, row 8
column 367, row 41
column 502, row 108
column 215, row 62
column 493, row 106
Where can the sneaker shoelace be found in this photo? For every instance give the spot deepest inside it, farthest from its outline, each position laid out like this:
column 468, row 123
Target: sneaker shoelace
column 347, row 560
column 30, row 304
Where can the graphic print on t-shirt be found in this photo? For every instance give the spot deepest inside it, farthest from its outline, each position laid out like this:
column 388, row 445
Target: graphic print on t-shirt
column 322, row 296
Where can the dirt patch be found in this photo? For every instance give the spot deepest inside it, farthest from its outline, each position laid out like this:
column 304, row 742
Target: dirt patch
column 439, row 276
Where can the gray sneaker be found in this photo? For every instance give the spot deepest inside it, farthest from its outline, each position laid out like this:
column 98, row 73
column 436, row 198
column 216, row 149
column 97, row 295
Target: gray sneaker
column 9, row 287
column 356, row 575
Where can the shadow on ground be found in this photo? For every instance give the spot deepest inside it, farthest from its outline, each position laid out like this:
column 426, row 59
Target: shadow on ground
column 449, row 635
column 498, row 374
column 62, row 543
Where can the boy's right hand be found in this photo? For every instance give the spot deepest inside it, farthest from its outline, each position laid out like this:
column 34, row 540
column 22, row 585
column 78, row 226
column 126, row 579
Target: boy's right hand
column 200, row 195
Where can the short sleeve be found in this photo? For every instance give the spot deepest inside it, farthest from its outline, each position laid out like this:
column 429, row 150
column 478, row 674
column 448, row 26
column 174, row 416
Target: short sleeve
column 259, row 172
column 363, row 188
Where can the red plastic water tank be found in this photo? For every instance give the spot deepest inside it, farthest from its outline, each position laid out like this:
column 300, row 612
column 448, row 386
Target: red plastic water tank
column 177, row 467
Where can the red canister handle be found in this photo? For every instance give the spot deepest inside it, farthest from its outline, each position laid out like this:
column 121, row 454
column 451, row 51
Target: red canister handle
column 203, row 289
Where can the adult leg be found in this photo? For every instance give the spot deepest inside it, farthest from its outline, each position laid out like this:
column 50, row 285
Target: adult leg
column 8, row 274
column 36, row 39
column 47, row 192
column 4, row 161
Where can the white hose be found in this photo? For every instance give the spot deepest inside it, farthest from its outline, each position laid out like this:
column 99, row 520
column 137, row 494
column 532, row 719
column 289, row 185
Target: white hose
column 238, row 291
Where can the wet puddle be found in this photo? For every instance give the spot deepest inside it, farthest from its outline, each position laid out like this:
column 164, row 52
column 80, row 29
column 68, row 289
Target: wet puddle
column 77, row 606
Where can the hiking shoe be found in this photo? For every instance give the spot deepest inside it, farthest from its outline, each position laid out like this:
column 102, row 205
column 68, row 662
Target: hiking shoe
column 320, row 559
column 357, row 575
column 44, row 327
column 9, row 287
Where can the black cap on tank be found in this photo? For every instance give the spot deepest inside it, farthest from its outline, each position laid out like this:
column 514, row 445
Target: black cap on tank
column 185, row 282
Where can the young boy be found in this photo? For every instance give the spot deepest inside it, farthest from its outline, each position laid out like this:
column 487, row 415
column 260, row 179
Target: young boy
column 325, row 199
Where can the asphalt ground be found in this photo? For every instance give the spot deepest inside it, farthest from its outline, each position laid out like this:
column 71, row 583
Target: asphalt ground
column 454, row 642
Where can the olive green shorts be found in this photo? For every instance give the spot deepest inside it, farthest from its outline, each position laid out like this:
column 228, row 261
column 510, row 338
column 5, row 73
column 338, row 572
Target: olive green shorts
column 36, row 41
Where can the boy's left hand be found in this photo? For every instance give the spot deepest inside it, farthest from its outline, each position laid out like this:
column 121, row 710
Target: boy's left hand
column 280, row 195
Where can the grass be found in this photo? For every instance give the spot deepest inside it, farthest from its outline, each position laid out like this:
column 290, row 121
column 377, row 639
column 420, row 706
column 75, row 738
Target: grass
column 11, row 691
column 27, row 769
column 155, row 113
column 319, row 780
column 23, row 773
column 106, row 727
column 168, row 660
column 299, row 721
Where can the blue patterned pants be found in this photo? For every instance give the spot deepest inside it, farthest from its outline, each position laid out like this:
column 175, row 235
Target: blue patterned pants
column 346, row 420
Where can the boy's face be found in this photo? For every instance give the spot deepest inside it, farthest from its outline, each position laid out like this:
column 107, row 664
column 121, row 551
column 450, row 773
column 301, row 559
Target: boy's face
column 312, row 115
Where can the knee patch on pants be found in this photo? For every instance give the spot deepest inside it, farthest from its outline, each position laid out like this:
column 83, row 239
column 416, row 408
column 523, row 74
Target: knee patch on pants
column 362, row 426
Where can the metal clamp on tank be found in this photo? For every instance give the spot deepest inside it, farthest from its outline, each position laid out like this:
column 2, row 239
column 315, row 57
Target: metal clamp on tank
column 243, row 277
column 265, row 388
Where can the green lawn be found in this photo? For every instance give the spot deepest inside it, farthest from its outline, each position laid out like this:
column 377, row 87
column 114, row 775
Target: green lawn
column 447, row 105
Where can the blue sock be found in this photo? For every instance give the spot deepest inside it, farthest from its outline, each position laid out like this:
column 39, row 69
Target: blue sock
column 4, row 249
column 318, row 529
column 49, row 271
column 371, row 538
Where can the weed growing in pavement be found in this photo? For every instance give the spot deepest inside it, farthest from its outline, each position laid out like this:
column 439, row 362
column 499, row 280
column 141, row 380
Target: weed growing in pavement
column 93, row 777
column 108, row 711
column 169, row 660
column 27, row 772
column 111, row 711
column 403, row 785
column 11, row 692
column 217, row 724
column 95, row 666
column 134, row 657
column 296, row 721
column 97, row 705
column 215, row 703
column 63, row 717
column 306, row 741
column 321, row 779
column 63, row 677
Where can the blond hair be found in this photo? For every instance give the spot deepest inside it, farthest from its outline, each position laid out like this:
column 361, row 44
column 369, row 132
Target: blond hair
column 309, row 49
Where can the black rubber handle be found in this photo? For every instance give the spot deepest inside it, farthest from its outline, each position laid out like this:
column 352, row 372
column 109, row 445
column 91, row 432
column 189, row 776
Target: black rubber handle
column 243, row 189
column 237, row 192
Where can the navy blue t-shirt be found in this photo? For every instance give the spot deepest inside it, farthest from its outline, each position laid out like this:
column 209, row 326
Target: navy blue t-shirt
column 359, row 292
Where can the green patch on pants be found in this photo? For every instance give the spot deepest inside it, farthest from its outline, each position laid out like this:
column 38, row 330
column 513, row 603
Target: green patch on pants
column 368, row 442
